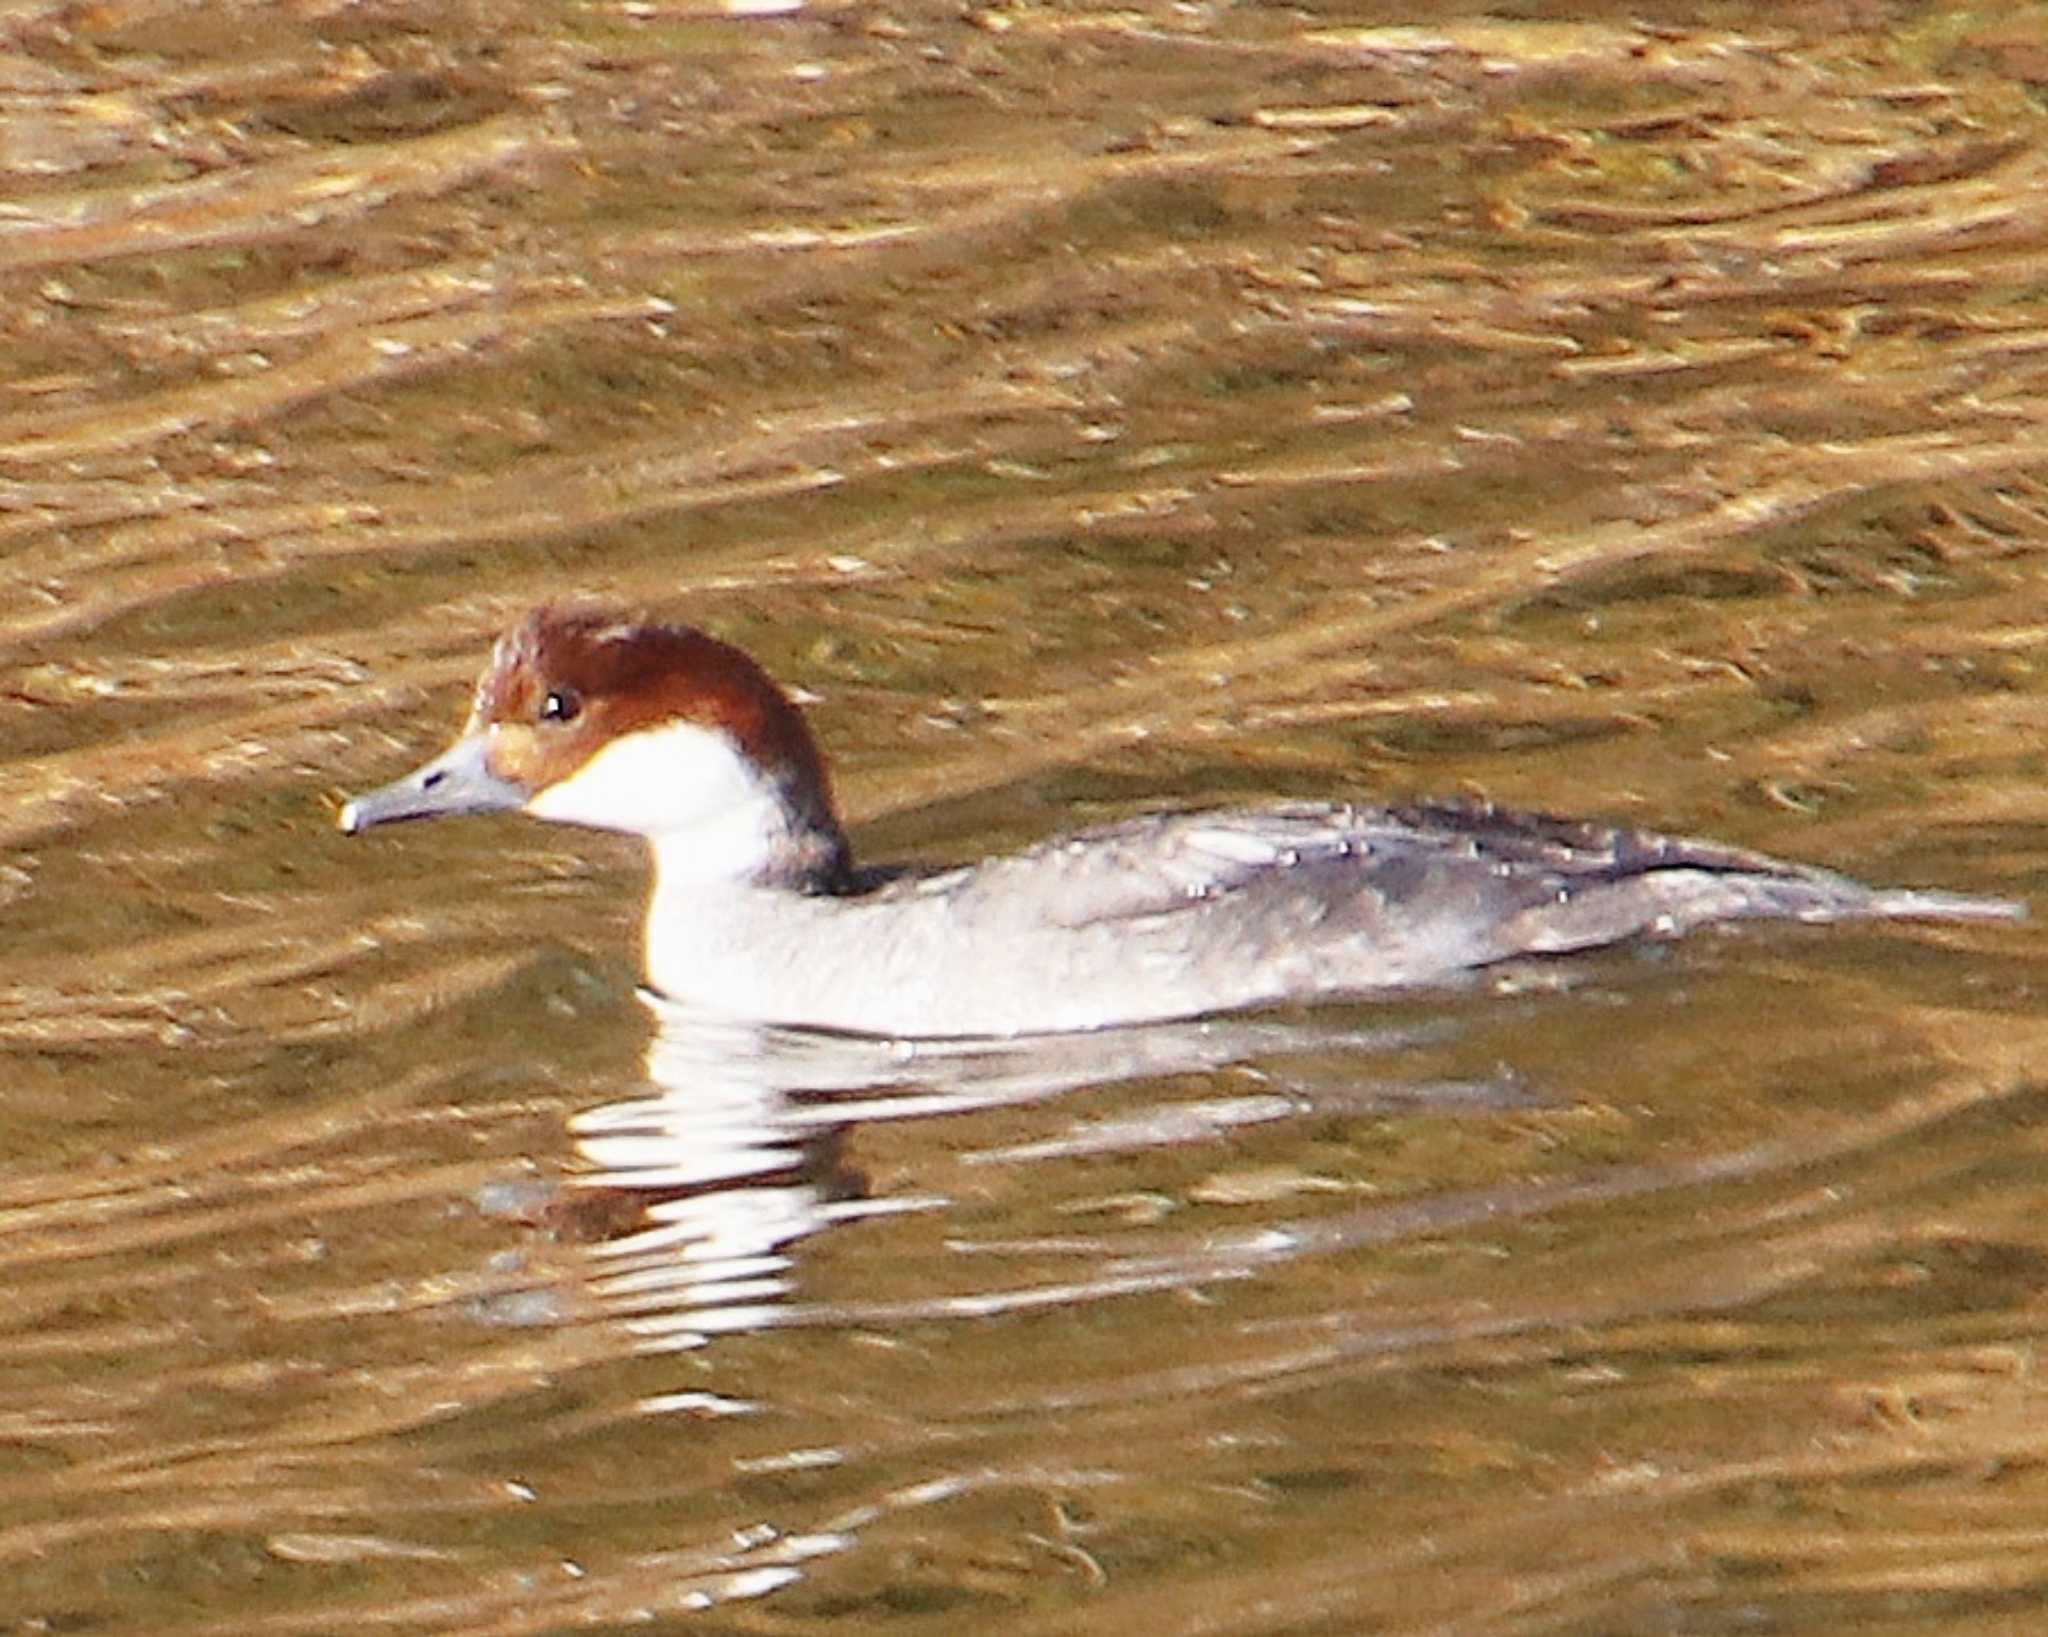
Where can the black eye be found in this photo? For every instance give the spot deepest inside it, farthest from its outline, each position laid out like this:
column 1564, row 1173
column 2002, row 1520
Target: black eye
column 560, row 705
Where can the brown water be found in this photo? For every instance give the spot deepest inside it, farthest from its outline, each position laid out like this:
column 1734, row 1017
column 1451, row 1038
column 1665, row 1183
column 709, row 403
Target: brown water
column 1093, row 409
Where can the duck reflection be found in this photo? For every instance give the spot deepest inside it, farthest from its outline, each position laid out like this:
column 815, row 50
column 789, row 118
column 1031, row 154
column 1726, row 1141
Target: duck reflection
column 698, row 1192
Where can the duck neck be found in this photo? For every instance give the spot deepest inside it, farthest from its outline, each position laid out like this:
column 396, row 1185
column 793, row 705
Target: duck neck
column 769, row 843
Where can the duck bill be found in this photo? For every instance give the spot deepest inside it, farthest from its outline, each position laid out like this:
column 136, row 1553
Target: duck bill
column 457, row 781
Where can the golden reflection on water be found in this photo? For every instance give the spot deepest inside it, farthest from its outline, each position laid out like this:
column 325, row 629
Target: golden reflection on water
column 1092, row 410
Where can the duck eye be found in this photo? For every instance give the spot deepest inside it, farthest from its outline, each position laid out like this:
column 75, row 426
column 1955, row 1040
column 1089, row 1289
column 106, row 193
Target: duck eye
column 560, row 705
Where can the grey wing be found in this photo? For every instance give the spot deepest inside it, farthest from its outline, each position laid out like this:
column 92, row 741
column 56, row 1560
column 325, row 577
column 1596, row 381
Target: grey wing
column 1152, row 866
column 1474, row 881
column 1491, row 856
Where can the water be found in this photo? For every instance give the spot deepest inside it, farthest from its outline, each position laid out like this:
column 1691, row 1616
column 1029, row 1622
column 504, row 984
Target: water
column 1092, row 411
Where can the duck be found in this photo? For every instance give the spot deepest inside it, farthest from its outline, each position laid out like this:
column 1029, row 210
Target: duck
column 586, row 715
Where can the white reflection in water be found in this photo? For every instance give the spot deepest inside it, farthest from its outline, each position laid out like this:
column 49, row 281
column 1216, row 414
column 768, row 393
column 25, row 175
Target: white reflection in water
column 735, row 1156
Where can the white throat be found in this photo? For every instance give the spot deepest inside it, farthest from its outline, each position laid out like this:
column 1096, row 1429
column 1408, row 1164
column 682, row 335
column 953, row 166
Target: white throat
column 710, row 813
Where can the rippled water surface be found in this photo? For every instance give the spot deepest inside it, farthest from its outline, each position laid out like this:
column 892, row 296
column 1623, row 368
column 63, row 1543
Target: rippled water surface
column 1627, row 412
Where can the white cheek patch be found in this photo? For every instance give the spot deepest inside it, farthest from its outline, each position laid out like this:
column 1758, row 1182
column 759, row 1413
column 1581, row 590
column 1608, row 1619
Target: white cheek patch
column 708, row 810
column 666, row 778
